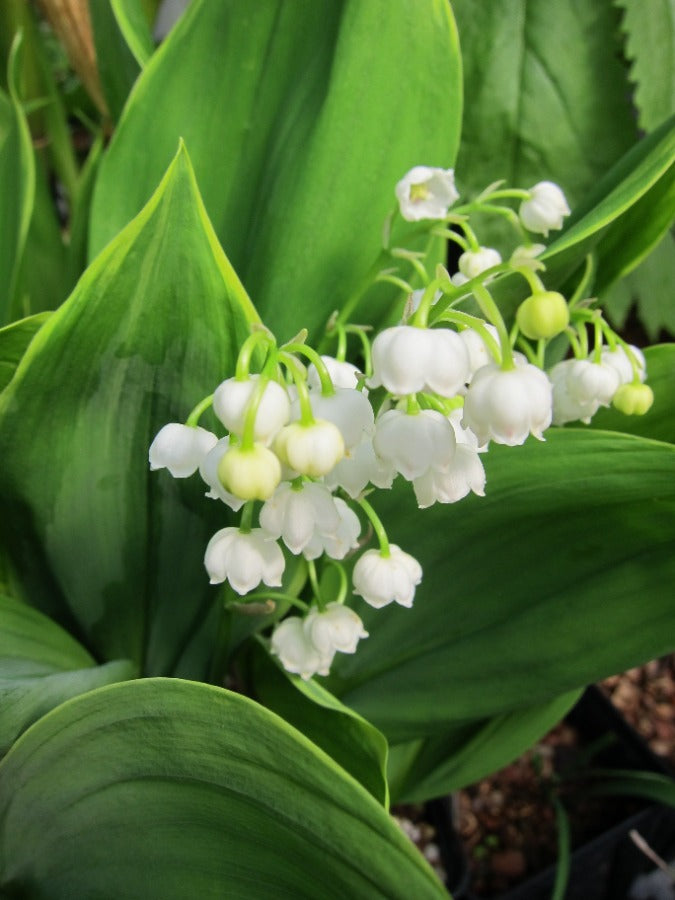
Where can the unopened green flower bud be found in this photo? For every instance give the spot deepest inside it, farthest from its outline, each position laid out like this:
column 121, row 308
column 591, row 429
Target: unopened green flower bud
column 543, row 315
column 250, row 474
column 633, row 399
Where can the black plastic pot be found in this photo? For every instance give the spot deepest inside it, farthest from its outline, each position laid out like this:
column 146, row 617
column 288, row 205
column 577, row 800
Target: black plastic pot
column 610, row 866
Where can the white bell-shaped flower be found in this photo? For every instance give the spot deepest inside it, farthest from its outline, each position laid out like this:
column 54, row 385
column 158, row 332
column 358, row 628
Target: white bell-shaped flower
column 337, row 627
column 411, row 444
column 359, row 467
column 546, row 208
column 473, row 263
column 400, row 359
column 408, row 359
column 381, row 580
column 452, row 483
column 298, row 654
column 297, row 514
column 479, row 355
column 448, row 363
column 342, row 374
column 426, row 193
column 415, row 299
column 209, row 472
column 506, row 406
column 244, row 559
column 348, row 409
column 618, row 359
column 338, row 543
column 312, row 449
column 230, row 403
column 567, row 408
column 590, row 382
column 180, row 448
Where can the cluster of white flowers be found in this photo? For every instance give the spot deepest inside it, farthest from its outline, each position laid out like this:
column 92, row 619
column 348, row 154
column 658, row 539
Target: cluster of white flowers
column 306, row 444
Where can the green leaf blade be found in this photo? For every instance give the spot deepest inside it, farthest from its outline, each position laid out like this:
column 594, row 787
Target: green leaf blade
column 192, row 791
column 104, row 545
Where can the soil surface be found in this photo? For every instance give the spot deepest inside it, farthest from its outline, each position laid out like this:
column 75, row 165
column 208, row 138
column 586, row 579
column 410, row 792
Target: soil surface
column 508, row 821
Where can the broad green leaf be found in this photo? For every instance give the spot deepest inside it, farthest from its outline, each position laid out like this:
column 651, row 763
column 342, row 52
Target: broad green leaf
column 650, row 47
column 14, row 340
column 174, row 790
column 298, row 132
column 659, row 422
column 41, row 665
column 117, row 64
column 535, row 113
column 466, row 753
column 561, row 575
column 644, row 171
column 17, row 187
column 347, row 738
column 153, row 326
column 133, row 23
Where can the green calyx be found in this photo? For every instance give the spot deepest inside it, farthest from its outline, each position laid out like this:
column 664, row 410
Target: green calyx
column 543, row 315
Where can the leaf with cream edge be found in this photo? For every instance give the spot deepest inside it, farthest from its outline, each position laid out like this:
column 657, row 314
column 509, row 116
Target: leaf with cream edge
column 41, row 665
column 107, row 548
column 298, row 131
column 175, row 790
column 531, row 593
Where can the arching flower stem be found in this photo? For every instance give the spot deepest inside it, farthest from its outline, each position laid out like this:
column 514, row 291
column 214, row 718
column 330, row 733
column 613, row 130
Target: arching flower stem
column 378, row 527
column 196, row 414
column 491, row 312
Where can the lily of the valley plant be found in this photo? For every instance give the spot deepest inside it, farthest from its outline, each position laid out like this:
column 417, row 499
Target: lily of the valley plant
column 330, row 474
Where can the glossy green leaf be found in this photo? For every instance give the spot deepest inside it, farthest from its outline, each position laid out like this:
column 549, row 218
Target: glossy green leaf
column 133, row 23
column 298, row 132
column 17, row 188
column 14, row 340
column 645, row 170
column 174, row 790
column 117, row 64
column 107, row 548
column 561, row 575
column 535, row 113
column 346, row 737
column 41, row 665
column 464, row 754
column 650, row 47
column 659, row 422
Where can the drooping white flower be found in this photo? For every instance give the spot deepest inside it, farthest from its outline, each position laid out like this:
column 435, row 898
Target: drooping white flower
column 618, row 359
column 416, row 298
column 296, row 515
column 546, row 208
column 479, row 355
column 464, row 474
column 426, row 193
column 591, row 382
column 230, row 403
column 411, row 444
column 209, row 472
column 473, row 263
column 337, row 627
column 565, row 407
column 507, row 406
column 338, row 543
column 244, row 559
column 348, row 409
column 312, row 449
column 408, row 359
column 180, row 448
column 381, row 580
column 298, row 654
column 342, row 374
column 360, row 467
